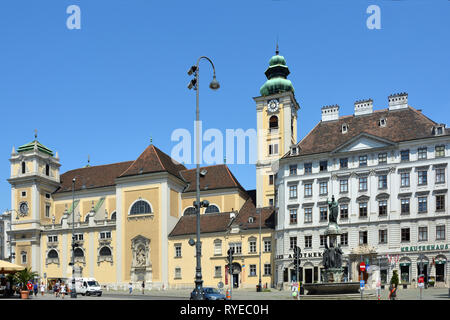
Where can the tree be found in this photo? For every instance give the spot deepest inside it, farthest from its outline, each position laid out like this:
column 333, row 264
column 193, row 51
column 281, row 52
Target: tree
column 394, row 279
column 24, row 276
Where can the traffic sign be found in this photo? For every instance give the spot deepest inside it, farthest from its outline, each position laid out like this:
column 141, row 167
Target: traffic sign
column 361, row 284
column 362, row 266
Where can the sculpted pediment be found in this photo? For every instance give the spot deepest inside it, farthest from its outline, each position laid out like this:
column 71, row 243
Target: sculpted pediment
column 364, row 141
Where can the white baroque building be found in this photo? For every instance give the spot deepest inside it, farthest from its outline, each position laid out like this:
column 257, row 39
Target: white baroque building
column 388, row 169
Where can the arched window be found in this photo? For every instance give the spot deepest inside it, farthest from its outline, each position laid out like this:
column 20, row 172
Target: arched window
column 113, row 216
column 188, row 211
column 105, row 251
column 23, row 167
column 273, row 122
column 212, row 209
column 47, row 170
column 52, row 254
column 78, row 253
column 140, row 207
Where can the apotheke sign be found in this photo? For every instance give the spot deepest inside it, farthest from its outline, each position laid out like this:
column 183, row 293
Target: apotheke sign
column 430, row 247
column 302, row 255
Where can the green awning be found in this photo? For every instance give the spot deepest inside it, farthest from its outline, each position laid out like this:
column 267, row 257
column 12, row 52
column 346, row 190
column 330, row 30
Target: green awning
column 405, row 264
column 441, row 262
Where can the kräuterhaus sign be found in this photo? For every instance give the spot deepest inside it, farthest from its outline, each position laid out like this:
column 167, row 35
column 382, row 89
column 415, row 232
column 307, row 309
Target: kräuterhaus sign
column 430, row 247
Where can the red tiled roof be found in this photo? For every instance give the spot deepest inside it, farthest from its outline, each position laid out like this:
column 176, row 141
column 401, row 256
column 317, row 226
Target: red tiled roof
column 221, row 222
column 217, row 177
column 92, row 177
column 401, row 125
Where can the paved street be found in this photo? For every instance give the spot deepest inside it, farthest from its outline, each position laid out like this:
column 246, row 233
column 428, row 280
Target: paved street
column 242, row 294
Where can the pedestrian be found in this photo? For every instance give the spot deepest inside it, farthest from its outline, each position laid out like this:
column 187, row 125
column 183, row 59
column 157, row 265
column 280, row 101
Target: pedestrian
column 63, row 290
column 8, row 288
column 57, row 289
column 30, row 288
column 130, row 287
column 35, row 289
column 143, row 286
column 392, row 291
column 42, row 287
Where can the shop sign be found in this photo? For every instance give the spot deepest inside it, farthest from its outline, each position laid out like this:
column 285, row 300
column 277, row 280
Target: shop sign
column 430, row 247
column 302, row 255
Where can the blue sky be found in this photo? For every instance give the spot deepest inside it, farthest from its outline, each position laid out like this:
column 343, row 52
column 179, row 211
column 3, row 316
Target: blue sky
column 108, row 88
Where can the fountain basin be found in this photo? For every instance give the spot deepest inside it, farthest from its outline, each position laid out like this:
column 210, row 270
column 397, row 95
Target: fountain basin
column 331, row 288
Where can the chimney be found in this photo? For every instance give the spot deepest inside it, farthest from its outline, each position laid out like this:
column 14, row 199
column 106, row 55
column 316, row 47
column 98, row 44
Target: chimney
column 330, row 113
column 363, row 107
column 398, row 101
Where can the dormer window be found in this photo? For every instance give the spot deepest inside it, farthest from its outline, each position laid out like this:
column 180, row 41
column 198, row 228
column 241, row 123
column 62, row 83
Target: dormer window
column 294, row 150
column 344, row 128
column 438, row 130
column 251, row 219
column 382, row 122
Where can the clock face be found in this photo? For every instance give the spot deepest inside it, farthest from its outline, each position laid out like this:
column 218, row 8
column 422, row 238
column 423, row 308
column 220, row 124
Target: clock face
column 23, row 208
column 272, row 106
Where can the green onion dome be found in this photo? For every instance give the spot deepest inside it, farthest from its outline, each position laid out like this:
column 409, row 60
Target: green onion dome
column 276, row 74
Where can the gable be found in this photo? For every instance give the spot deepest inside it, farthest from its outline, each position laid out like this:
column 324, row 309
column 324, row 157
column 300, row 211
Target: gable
column 363, row 142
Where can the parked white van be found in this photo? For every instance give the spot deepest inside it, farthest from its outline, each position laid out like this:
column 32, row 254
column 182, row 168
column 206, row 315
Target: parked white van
column 88, row 286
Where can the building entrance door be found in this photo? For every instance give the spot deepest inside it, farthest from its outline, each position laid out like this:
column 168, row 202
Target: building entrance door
column 440, row 276
column 308, row 275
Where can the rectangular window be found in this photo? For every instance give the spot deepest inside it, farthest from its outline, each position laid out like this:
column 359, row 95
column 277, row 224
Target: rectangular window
column 252, row 270
column 382, row 181
column 323, row 240
column 440, row 232
column 24, row 257
column 423, row 233
column 344, row 211
column 343, row 163
column 363, row 209
column 422, row 177
column 237, row 246
column 293, row 216
column 439, row 151
column 292, row 242
column 308, row 168
column 218, row 248
column 440, row 175
column 422, row 153
column 217, row 271
column 382, row 158
column 363, row 161
column 382, row 207
column 178, row 251
column 405, row 235
column 252, row 246
column 308, row 189
column 52, row 238
column 362, row 237
column 267, row 246
column 344, row 239
column 293, row 192
column 440, row 202
column 270, row 179
column 404, row 155
column 323, row 165
column 273, row 148
column 177, row 273
column 47, row 211
column 293, row 169
column 78, row 237
column 323, row 213
column 323, row 188
column 404, row 179
column 363, row 184
column 267, row 269
column 382, row 236
column 423, row 207
column 105, row 235
column 343, row 185
column 308, row 215
column 308, row 241
column 24, row 193
column 404, row 206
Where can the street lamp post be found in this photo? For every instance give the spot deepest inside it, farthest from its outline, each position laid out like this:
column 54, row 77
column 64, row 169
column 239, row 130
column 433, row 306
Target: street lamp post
column 73, row 291
column 198, row 293
column 421, row 274
column 259, row 211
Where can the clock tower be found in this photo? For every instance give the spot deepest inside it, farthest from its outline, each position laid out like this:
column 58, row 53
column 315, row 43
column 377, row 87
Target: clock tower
column 34, row 177
column 276, row 122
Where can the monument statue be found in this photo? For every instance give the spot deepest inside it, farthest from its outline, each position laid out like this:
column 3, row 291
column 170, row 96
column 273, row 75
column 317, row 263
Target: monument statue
column 334, row 210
